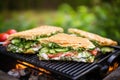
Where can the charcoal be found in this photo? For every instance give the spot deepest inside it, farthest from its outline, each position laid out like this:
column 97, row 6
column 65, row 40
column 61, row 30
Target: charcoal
column 4, row 76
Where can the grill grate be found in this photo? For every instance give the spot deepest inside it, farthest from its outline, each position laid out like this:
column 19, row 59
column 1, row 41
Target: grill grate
column 71, row 70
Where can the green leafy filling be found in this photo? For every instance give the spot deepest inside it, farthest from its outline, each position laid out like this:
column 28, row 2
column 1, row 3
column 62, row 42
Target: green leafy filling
column 54, row 48
column 21, row 45
column 103, row 49
column 106, row 49
column 95, row 43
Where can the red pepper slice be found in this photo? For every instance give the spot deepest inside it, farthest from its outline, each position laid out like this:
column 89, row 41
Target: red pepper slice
column 94, row 52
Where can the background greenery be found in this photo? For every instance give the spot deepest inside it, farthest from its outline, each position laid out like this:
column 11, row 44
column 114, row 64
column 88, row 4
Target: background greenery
column 98, row 16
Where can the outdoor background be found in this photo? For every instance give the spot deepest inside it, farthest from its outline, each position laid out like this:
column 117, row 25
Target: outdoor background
column 97, row 16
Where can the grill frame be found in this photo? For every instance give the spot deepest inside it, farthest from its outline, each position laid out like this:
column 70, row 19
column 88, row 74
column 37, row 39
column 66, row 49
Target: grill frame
column 62, row 68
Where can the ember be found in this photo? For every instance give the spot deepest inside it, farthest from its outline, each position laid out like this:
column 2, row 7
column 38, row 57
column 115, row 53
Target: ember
column 19, row 71
column 32, row 66
column 23, row 68
column 112, row 68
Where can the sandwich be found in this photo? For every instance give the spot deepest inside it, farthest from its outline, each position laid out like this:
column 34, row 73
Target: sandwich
column 66, row 48
column 101, row 42
column 27, row 42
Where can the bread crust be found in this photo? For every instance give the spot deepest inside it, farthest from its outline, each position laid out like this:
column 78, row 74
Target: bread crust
column 66, row 40
column 102, row 41
column 35, row 32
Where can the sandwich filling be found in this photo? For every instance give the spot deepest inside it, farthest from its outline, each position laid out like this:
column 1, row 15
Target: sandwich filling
column 100, row 42
column 65, row 47
column 28, row 41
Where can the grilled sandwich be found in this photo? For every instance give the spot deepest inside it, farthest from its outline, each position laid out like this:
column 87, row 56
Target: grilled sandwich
column 67, row 48
column 103, row 44
column 27, row 42
column 93, row 37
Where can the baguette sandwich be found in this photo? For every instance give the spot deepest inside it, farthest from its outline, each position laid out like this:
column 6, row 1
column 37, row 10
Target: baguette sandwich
column 67, row 48
column 27, row 42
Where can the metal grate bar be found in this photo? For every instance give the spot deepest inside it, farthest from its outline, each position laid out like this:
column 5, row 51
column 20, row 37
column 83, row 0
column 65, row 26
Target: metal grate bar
column 53, row 65
column 41, row 63
column 79, row 68
column 61, row 66
column 49, row 64
column 87, row 71
column 70, row 68
column 57, row 65
column 64, row 68
column 83, row 69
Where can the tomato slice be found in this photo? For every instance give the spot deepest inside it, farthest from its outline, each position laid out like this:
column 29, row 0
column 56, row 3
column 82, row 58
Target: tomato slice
column 54, row 55
column 60, row 54
column 69, row 54
column 94, row 52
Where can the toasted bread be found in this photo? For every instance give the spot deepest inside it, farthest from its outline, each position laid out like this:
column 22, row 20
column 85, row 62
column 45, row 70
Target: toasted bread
column 102, row 41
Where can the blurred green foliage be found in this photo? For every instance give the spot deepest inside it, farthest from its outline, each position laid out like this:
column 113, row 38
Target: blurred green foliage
column 103, row 19
column 108, row 20
column 15, row 21
column 67, row 17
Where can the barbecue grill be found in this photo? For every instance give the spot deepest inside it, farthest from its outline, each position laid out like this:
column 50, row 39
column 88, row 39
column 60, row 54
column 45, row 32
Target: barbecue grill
column 69, row 70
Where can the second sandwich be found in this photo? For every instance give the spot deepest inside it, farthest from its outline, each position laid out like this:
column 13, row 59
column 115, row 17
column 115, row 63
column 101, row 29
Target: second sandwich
column 27, row 42
column 66, row 48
